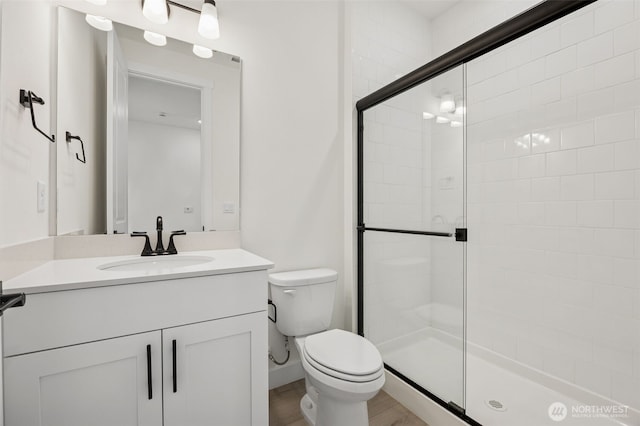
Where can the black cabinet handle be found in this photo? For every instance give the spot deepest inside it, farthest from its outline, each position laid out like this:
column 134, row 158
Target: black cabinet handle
column 175, row 372
column 149, row 384
column 11, row 300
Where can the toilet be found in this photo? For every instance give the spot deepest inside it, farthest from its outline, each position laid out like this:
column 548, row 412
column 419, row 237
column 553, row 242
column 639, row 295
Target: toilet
column 342, row 370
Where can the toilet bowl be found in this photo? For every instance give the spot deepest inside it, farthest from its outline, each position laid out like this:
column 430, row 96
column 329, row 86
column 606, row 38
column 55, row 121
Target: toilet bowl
column 342, row 370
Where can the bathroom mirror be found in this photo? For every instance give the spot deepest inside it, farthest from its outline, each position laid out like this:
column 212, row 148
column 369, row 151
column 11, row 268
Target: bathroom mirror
column 158, row 129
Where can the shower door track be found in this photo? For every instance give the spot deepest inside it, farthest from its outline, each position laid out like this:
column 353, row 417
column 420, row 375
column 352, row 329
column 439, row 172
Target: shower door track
column 512, row 29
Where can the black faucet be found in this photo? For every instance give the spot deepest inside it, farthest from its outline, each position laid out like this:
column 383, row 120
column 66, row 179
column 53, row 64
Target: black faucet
column 160, row 250
column 159, row 245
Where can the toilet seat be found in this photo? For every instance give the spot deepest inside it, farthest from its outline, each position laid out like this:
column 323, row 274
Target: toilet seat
column 343, row 355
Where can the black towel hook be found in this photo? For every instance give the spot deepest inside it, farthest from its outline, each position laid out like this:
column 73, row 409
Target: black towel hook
column 27, row 98
column 70, row 137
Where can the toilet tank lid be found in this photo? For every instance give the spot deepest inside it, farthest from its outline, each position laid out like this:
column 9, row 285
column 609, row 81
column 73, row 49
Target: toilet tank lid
column 303, row 277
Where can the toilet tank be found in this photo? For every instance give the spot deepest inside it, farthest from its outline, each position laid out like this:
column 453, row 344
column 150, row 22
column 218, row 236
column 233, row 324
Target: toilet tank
column 303, row 299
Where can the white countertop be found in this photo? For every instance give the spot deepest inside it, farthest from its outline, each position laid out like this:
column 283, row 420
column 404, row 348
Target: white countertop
column 72, row 274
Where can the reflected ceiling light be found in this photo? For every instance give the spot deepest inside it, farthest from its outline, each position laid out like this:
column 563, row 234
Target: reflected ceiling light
column 427, row 115
column 203, row 52
column 208, row 26
column 460, row 110
column 456, row 123
column 442, row 120
column 157, row 11
column 99, row 22
column 98, row 2
column 155, row 38
column 447, row 104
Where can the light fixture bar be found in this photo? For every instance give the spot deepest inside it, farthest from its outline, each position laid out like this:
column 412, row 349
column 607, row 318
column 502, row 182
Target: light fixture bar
column 182, row 6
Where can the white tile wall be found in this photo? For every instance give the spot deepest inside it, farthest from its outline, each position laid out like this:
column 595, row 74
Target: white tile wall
column 554, row 269
column 390, row 40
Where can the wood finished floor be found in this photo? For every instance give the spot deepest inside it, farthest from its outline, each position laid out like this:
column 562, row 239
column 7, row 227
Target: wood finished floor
column 284, row 408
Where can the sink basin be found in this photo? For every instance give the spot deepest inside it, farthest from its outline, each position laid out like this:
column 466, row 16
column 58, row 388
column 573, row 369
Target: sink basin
column 156, row 264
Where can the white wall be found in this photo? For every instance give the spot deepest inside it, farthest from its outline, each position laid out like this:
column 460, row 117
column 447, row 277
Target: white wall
column 554, row 200
column 469, row 18
column 389, row 40
column 164, row 177
column 292, row 140
column 24, row 153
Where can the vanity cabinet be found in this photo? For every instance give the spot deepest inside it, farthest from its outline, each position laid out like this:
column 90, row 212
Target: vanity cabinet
column 215, row 382
column 99, row 383
column 175, row 353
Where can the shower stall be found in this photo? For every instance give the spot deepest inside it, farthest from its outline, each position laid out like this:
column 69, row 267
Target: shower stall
column 499, row 220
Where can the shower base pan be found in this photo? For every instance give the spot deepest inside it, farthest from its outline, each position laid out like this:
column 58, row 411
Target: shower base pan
column 499, row 390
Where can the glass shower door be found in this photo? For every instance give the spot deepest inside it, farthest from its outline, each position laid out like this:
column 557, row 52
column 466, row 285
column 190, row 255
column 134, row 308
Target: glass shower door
column 412, row 226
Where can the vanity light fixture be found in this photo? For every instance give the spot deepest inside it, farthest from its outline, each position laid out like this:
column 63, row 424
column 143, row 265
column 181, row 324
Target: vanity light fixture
column 427, row 115
column 157, row 11
column 203, row 52
column 155, row 38
column 208, row 26
column 99, row 22
column 442, row 120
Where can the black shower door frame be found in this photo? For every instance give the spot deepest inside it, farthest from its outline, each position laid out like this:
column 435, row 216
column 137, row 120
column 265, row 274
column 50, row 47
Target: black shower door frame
column 512, row 29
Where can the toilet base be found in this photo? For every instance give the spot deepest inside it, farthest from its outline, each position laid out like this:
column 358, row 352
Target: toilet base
column 309, row 409
column 335, row 413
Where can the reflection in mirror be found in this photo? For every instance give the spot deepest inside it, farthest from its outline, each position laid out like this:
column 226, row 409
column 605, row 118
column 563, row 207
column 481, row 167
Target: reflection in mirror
column 164, row 124
column 161, row 132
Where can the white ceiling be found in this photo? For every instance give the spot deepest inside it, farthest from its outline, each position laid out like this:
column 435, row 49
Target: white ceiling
column 429, row 8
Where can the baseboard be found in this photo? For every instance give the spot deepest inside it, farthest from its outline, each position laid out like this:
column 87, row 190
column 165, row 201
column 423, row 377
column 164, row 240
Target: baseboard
column 280, row 375
column 423, row 407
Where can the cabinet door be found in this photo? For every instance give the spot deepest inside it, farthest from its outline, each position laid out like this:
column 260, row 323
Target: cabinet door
column 220, row 372
column 93, row 384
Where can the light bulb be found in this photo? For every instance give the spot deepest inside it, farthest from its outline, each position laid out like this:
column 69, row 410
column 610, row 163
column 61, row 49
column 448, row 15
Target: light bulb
column 447, row 103
column 203, row 52
column 456, row 124
column 99, row 22
column 155, row 38
column 427, row 115
column 156, row 11
column 208, row 26
column 442, row 120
